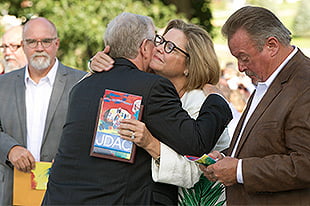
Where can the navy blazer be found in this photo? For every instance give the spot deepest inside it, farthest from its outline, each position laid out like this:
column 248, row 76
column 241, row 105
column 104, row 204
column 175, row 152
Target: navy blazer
column 78, row 178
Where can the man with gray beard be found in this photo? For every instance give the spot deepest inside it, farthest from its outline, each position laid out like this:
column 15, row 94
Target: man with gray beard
column 11, row 48
column 33, row 104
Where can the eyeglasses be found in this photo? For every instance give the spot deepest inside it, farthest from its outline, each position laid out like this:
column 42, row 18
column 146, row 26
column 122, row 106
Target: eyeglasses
column 13, row 47
column 33, row 43
column 169, row 46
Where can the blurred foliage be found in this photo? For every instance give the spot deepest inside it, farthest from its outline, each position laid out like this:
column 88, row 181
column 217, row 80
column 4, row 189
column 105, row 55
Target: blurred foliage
column 197, row 11
column 81, row 24
column 295, row 16
column 266, row 3
column 301, row 25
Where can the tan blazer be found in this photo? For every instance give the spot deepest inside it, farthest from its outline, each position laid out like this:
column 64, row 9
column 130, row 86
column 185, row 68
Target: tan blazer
column 275, row 145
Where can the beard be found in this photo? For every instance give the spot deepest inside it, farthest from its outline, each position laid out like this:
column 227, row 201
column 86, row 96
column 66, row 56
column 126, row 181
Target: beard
column 254, row 77
column 40, row 60
column 10, row 63
column 10, row 66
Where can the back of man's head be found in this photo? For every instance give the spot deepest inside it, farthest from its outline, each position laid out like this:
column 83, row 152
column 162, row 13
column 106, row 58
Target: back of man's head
column 126, row 32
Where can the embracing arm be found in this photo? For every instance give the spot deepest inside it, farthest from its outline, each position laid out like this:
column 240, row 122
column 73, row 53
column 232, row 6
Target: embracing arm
column 175, row 169
column 166, row 120
column 172, row 168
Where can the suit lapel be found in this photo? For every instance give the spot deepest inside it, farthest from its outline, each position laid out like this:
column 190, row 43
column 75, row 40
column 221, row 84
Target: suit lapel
column 239, row 125
column 58, row 89
column 271, row 93
column 21, row 103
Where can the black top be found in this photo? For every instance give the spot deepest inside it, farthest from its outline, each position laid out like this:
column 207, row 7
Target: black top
column 77, row 178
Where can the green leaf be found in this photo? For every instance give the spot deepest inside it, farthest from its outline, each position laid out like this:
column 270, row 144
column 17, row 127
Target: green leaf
column 204, row 193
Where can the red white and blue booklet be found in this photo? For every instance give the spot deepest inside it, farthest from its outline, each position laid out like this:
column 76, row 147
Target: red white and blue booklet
column 204, row 159
column 107, row 143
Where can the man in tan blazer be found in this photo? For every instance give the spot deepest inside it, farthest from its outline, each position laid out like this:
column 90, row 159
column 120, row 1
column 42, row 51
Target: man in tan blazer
column 269, row 156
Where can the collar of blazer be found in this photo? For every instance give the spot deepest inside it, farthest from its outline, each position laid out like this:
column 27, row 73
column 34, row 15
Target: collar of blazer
column 59, row 84
column 125, row 62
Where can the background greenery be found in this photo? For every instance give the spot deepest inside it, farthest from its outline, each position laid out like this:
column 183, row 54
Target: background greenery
column 293, row 13
column 81, row 24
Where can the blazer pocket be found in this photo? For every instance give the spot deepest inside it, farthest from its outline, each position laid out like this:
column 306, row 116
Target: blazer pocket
column 268, row 124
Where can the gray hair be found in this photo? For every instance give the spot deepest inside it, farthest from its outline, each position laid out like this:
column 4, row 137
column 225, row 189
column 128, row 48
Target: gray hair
column 126, row 32
column 259, row 23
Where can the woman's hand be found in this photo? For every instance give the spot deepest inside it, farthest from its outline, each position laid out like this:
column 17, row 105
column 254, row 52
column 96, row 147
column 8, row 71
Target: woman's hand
column 101, row 61
column 136, row 131
column 211, row 89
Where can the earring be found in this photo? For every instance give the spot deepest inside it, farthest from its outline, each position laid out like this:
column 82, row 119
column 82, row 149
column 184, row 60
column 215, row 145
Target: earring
column 186, row 73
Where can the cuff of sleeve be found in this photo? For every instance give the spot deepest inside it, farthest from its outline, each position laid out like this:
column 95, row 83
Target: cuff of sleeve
column 8, row 163
column 89, row 67
column 155, row 171
column 239, row 172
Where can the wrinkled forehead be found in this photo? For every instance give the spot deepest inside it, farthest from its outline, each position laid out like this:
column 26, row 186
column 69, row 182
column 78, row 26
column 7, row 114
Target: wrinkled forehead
column 37, row 29
column 240, row 41
column 12, row 37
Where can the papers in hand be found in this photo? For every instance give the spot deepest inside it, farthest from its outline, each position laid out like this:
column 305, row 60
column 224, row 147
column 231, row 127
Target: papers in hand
column 39, row 176
column 204, row 159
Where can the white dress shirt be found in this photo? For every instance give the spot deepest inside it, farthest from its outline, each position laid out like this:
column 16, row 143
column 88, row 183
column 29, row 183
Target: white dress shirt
column 37, row 103
column 260, row 91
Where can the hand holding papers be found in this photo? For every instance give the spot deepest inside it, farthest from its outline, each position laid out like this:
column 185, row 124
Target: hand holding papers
column 204, row 159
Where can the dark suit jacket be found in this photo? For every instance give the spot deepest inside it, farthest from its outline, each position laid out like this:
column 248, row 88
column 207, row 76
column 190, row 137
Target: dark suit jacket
column 275, row 145
column 78, row 178
column 13, row 119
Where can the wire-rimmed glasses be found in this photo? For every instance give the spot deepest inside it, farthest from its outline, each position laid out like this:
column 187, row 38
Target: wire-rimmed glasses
column 33, row 43
column 12, row 47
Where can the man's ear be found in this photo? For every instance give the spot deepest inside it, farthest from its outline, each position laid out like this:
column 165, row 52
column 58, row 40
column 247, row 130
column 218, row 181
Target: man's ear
column 145, row 53
column 272, row 44
column 146, row 48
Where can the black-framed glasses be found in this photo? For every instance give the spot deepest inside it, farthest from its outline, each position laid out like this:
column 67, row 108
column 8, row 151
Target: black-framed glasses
column 33, row 43
column 12, row 47
column 169, row 46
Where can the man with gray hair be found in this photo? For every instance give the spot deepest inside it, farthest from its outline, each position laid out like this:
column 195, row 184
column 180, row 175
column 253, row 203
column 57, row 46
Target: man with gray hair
column 78, row 178
column 11, row 47
column 33, row 104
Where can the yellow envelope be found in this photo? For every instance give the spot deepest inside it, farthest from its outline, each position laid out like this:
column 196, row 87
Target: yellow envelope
column 23, row 192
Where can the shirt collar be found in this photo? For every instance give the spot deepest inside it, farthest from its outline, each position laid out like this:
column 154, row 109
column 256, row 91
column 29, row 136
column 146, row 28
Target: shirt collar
column 276, row 72
column 50, row 77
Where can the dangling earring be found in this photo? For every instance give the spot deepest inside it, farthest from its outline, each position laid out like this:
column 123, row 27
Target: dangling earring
column 186, row 72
